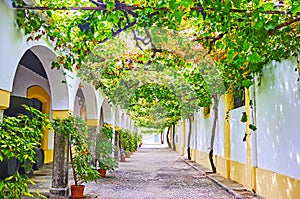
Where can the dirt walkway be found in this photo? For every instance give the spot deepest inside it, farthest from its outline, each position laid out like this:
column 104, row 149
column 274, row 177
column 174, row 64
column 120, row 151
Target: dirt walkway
column 155, row 173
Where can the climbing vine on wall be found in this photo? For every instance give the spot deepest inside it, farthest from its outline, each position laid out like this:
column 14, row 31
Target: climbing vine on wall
column 239, row 38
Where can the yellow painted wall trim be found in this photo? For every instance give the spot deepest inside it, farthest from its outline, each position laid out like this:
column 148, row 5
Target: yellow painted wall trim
column 222, row 166
column 202, row 158
column 61, row 114
column 4, row 99
column 183, row 134
column 183, row 151
column 274, row 185
column 229, row 104
column 298, row 66
column 206, row 112
column 249, row 174
column 48, row 155
column 237, row 172
column 253, row 174
column 177, row 148
column 93, row 122
column 39, row 93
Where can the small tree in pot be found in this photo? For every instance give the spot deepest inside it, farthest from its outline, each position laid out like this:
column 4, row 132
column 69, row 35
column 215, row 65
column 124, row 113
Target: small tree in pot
column 104, row 151
column 76, row 130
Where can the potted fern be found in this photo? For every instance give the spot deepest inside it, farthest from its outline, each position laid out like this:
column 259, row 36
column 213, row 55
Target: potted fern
column 76, row 130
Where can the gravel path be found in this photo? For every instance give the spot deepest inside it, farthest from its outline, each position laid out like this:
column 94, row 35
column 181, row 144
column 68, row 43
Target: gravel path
column 155, row 173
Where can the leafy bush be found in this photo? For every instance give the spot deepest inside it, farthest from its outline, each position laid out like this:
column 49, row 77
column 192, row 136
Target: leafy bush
column 105, row 148
column 19, row 138
column 129, row 140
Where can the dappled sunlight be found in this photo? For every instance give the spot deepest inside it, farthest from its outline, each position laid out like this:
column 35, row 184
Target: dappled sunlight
column 274, row 185
column 278, row 107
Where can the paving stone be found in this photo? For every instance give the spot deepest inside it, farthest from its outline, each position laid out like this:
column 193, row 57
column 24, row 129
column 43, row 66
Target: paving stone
column 155, row 173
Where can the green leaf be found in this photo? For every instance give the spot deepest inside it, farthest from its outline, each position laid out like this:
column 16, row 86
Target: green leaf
column 245, row 137
column 269, row 6
column 231, row 53
column 173, row 4
column 259, row 24
column 295, row 9
column 186, row 3
column 178, row 15
column 49, row 13
column 254, row 57
column 246, row 45
column 244, row 117
column 247, row 83
column 2, row 184
column 110, row 6
column 252, row 127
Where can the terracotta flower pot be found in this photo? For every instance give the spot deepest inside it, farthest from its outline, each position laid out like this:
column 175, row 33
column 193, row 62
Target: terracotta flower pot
column 77, row 191
column 102, row 172
column 127, row 155
column 122, row 159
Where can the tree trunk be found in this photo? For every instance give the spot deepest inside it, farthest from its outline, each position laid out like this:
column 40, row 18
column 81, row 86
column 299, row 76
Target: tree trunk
column 173, row 137
column 213, row 132
column 162, row 139
column 168, row 139
column 189, row 139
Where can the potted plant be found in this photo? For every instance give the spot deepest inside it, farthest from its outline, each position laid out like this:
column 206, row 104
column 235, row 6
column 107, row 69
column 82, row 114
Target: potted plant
column 107, row 163
column 76, row 130
column 140, row 140
column 104, row 151
column 129, row 142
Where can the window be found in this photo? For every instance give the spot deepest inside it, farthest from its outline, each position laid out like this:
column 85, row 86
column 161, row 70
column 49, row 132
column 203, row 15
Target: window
column 206, row 112
column 239, row 97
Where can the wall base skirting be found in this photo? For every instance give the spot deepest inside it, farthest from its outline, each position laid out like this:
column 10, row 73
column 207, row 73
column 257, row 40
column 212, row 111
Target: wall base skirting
column 265, row 183
column 59, row 193
column 273, row 185
column 48, row 155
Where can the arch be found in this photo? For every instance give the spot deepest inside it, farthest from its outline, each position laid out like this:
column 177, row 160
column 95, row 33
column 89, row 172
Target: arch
column 60, row 91
column 92, row 100
column 107, row 112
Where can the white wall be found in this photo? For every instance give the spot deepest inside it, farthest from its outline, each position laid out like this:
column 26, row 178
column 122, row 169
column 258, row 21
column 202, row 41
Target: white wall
column 203, row 130
column 219, row 139
column 178, row 135
column 237, row 132
column 24, row 79
column 278, row 126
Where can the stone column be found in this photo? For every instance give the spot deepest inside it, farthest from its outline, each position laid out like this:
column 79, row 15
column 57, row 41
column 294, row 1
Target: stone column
column 117, row 151
column 60, row 187
column 93, row 125
column 116, row 143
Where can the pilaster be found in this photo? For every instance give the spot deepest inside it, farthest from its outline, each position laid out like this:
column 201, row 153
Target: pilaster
column 229, row 104
column 251, row 172
column 4, row 99
column 93, row 125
